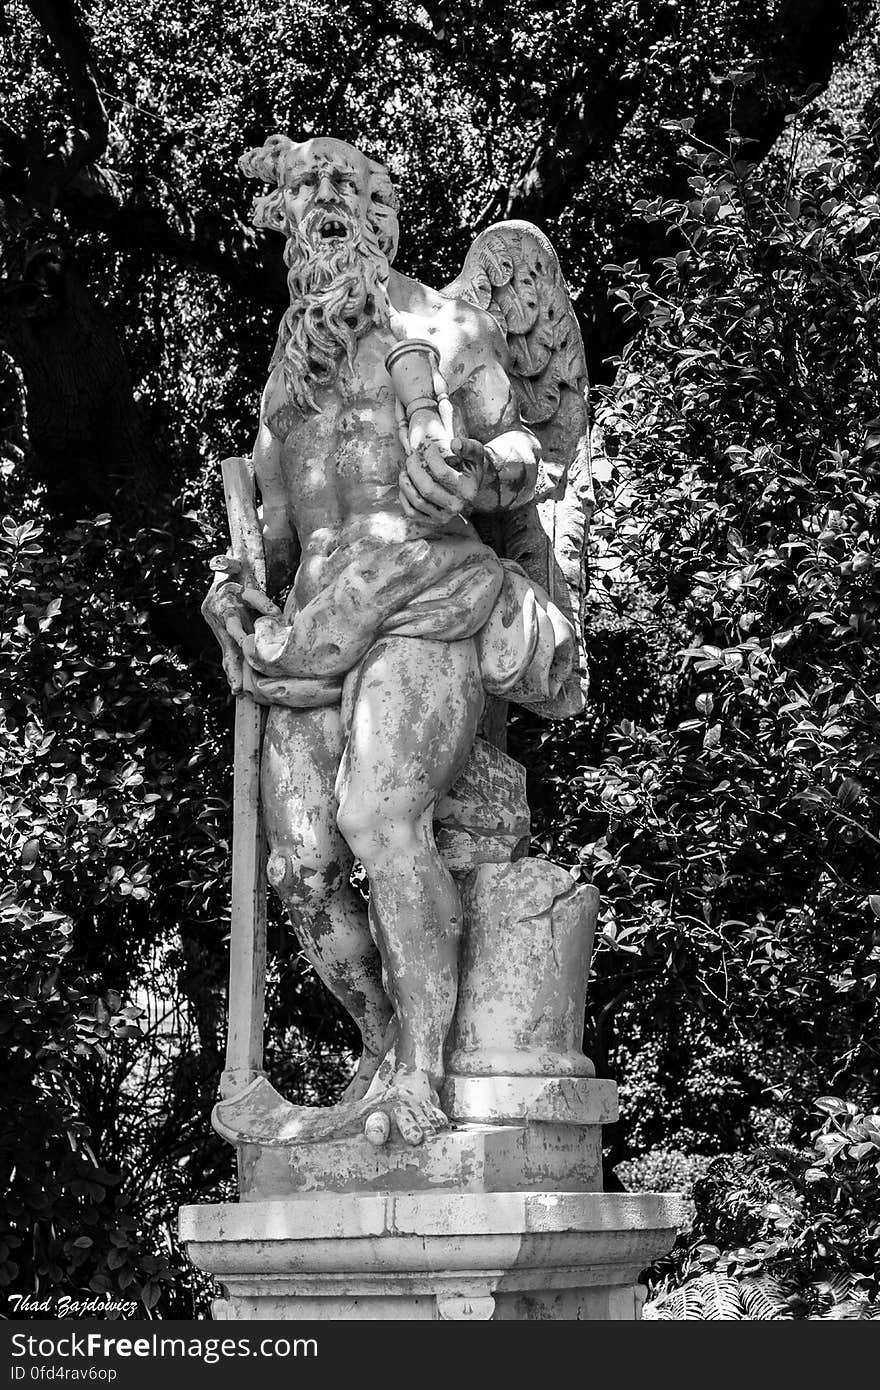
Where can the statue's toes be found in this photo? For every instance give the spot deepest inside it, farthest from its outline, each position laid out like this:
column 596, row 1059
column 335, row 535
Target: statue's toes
column 377, row 1128
column 407, row 1120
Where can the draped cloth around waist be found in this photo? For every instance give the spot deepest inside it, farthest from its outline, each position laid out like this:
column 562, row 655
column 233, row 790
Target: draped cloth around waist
column 448, row 588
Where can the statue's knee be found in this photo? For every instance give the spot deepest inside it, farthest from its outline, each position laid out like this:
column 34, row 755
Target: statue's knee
column 372, row 835
column 298, row 880
column 353, row 826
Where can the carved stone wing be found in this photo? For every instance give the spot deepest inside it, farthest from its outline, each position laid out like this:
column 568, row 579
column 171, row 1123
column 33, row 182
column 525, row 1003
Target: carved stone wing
column 512, row 271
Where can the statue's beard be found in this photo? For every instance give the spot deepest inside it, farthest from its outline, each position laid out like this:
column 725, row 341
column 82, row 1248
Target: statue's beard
column 338, row 293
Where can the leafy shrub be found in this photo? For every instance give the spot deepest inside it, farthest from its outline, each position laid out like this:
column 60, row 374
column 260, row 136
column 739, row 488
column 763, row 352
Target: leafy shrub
column 784, row 1233
column 663, row 1170
column 108, row 826
column 730, row 813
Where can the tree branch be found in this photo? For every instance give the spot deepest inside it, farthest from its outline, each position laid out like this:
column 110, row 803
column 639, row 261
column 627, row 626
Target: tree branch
column 148, row 219
column 587, row 131
column 808, row 38
column 806, row 44
column 142, row 218
column 86, row 142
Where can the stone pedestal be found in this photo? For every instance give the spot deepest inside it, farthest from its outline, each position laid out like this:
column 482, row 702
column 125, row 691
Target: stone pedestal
column 530, row 1135
column 503, row 1218
column 429, row 1256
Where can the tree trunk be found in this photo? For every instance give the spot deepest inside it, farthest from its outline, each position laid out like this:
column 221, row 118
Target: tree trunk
column 85, row 439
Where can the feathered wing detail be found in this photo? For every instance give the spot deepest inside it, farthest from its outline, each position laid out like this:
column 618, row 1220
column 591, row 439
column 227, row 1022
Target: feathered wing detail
column 512, row 272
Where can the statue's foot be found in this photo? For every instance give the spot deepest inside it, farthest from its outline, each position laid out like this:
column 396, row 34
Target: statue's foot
column 410, row 1104
column 399, row 1103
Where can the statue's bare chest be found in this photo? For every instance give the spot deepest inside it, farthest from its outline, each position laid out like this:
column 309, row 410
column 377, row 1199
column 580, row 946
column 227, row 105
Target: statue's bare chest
column 360, row 397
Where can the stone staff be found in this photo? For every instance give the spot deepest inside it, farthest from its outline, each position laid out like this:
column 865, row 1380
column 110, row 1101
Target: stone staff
column 247, row 935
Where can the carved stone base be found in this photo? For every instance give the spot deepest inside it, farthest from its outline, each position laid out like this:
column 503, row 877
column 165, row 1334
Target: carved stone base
column 523, row 1256
column 511, row 1134
column 470, row 1158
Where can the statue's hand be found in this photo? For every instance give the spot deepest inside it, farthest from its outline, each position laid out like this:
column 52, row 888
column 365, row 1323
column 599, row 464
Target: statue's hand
column 469, row 456
column 436, row 488
column 228, row 609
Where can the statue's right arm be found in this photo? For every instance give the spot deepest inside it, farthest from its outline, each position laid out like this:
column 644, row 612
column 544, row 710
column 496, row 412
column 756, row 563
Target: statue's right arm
column 229, row 609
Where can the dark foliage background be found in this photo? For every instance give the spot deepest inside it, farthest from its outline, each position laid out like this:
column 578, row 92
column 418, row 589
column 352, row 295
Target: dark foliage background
column 715, row 205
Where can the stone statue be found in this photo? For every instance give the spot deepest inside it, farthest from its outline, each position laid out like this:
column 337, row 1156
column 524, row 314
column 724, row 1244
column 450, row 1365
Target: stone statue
column 422, row 468
column 417, row 562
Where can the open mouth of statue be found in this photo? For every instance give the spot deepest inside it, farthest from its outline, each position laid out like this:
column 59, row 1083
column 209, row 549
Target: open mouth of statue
column 332, row 230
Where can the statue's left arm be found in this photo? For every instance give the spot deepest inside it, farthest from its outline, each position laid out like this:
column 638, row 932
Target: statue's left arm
column 503, row 451
column 494, row 459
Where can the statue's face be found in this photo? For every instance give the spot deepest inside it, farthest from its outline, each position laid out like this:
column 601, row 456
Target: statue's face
column 328, row 191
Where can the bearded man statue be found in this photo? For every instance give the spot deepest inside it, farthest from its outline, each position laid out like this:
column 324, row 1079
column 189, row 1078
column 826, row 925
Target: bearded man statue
column 399, row 619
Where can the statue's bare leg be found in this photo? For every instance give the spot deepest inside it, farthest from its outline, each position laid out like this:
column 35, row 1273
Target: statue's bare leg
column 413, row 723
column 309, row 866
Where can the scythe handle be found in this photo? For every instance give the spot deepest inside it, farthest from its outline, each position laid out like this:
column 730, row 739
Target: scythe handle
column 247, row 937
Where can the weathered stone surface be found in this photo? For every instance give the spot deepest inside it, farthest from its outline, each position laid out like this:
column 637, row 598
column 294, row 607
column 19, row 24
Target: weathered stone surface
column 525, row 959
column 564, row 1100
column 428, row 1256
column 495, row 1157
column 548, row 536
column 484, row 817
